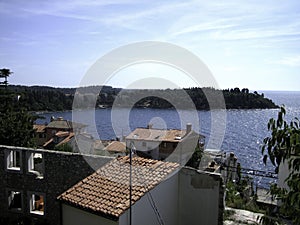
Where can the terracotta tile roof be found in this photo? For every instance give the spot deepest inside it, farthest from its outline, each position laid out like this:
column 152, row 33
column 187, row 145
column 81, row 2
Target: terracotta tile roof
column 157, row 135
column 61, row 124
column 48, row 142
column 116, row 146
column 62, row 133
column 40, row 128
column 106, row 192
column 67, row 136
column 64, row 124
column 67, row 139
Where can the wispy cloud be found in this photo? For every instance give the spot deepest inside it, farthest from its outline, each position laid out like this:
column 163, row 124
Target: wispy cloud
column 73, row 9
column 238, row 22
column 224, row 34
column 248, row 34
column 207, row 26
column 293, row 61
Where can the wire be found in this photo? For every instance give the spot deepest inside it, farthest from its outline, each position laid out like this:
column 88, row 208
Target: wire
column 150, row 197
column 151, row 200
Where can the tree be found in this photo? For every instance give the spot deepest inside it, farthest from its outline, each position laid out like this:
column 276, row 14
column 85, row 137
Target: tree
column 194, row 161
column 16, row 123
column 16, row 128
column 5, row 73
column 66, row 147
column 283, row 146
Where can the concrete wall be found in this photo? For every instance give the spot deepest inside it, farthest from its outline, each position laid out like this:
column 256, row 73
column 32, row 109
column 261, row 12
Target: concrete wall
column 74, row 216
column 61, row 171
column 200, row 198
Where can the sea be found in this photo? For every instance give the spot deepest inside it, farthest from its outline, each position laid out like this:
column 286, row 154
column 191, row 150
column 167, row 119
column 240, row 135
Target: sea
column 239, row 130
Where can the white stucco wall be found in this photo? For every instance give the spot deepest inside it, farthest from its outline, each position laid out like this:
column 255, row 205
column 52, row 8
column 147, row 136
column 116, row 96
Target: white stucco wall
column 198, row 198
column 82, row 144
column 165, row 196
column 74, row 216
column 139, row 145
column 283, row 174
column 151, row 146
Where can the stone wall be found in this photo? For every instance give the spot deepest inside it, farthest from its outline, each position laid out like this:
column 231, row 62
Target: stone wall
column 61, row 170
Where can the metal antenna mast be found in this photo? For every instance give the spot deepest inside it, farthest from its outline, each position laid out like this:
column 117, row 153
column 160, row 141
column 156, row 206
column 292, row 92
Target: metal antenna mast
column 132, row 149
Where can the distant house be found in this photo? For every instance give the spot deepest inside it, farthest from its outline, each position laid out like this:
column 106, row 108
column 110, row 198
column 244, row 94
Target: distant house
column 162, row 193
column 40, row 134
column 158, row 143
column 86, row 144
column 58, row 139
column 116, row 148
column 61, row 124
column 212, row 160
column 57, row 132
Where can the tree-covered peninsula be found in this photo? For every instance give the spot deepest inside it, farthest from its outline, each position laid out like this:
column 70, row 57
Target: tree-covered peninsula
column 42, row 98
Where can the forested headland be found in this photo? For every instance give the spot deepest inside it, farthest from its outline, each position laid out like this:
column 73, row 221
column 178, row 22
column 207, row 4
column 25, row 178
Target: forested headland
column 43, row 98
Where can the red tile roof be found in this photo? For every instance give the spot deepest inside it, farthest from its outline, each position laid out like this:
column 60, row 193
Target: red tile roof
column 63, row 133
column 106, row 192
column 116, row 146
column 40, row 128
column 67, row 139
column 48, row 142
column 64, row 124
column 157, row 135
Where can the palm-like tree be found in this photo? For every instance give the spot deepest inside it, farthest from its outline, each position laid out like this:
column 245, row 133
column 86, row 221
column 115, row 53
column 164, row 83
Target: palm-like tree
column 5, row 73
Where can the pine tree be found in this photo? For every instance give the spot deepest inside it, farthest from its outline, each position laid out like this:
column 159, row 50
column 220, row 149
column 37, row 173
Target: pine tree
column 5, row 73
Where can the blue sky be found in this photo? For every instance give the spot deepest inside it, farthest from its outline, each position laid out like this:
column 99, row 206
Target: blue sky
column 254, row 44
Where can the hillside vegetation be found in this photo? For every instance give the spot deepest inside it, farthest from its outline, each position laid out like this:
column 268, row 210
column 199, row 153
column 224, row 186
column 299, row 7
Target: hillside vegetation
column 41, row 98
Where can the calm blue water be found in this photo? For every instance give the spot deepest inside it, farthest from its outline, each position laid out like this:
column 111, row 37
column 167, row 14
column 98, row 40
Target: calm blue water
column 244, row 129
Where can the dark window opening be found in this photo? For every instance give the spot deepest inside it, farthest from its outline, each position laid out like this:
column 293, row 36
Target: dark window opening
column 15, row 200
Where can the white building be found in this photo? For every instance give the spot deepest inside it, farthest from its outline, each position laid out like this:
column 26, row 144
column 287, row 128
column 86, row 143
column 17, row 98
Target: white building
column 162, row 193
column 158, row 143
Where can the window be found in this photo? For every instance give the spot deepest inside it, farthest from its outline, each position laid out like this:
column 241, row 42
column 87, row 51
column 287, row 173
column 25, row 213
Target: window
column 14, row 160
column 36, row 164
column 15, row 200
column 37, row 204
column 144, row 144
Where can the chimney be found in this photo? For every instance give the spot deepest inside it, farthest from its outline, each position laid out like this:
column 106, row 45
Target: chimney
column 150, row 126
column 188, row 128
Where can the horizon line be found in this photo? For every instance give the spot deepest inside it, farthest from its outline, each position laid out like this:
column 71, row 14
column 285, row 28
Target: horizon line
column 118, row 87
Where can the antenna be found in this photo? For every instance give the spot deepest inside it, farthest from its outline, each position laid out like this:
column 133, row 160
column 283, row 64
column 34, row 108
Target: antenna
column 132, row 150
